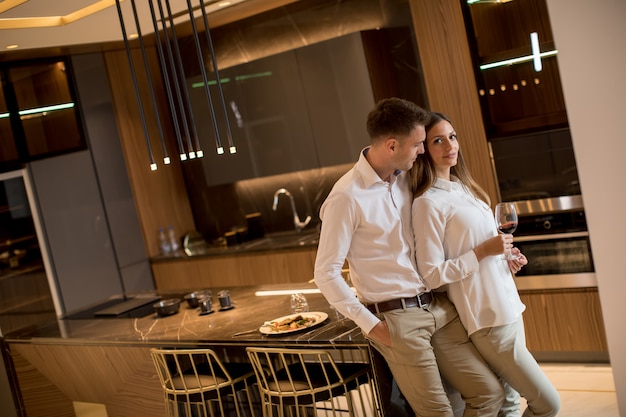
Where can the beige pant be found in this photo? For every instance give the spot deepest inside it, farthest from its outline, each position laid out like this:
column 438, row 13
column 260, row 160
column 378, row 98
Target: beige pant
column 424, row 338
column 504, row 348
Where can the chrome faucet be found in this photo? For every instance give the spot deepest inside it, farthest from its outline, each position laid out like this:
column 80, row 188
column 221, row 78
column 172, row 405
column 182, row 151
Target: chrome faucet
column 299, row 225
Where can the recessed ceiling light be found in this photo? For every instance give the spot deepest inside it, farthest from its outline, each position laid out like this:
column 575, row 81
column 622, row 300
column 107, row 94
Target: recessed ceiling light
column 14, row 46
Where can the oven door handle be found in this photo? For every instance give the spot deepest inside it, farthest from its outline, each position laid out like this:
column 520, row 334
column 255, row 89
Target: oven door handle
column 553, row 236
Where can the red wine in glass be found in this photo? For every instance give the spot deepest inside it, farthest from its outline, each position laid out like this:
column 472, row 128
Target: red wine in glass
column 508, row 227
column 506, row 221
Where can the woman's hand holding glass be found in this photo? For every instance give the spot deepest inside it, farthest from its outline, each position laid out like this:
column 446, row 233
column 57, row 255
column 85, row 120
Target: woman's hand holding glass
column 515, row 265
column 506, row 221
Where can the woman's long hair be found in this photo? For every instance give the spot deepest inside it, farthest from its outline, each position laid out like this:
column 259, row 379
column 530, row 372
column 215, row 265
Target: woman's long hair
column 423, row 175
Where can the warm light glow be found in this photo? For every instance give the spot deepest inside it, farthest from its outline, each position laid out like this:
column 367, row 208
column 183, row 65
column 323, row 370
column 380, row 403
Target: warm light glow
column 226, row 80
column 287, row 292
column 46, row 109
column 48, row 21
column 220, row 150
column 153, row 167
column 9, row 4
column 199, row 154
column 534, row 47
column 293, row 291
column 517, row 60
column 4, row 115
column 233, row 149
column 167, row 160
column 192, row 155
column 487, row 1
column 183, row 156
column 14, row 46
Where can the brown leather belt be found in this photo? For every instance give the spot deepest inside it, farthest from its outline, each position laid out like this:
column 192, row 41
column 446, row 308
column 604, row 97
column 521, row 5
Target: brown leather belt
column 421, row 301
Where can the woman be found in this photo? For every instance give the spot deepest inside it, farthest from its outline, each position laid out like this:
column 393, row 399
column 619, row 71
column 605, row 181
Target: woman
column 459, row 249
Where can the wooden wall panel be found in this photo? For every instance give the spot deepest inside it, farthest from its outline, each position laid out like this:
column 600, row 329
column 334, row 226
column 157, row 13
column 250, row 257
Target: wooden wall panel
column 290, row 266
column 450, row 83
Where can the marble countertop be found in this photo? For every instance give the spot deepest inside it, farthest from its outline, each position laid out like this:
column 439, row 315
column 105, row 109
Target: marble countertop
column 237, row 326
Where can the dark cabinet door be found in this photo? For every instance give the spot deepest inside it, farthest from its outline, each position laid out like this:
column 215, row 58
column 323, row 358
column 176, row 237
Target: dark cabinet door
column 8, row 148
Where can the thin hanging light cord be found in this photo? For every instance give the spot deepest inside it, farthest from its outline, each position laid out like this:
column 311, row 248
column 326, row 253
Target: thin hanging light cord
column 220, row 148
column 207, row 31
column 153, row 165
column 177, row 67
column 149, row 76
column 166, row 78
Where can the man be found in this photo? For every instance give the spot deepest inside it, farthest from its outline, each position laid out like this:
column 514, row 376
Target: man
column 366, row 219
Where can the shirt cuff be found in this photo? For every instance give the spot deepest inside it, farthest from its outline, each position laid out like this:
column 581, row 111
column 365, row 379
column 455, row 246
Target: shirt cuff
column 470, row 263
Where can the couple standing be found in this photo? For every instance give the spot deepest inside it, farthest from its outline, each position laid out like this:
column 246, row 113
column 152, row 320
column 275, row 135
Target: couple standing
column 410, row 202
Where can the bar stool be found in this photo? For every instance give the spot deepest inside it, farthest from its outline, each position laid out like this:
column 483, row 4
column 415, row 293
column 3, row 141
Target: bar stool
column 304, row 382
column 197, row 383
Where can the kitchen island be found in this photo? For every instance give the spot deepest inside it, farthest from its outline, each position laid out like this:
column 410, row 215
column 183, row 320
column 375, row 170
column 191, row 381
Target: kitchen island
column 106, row 360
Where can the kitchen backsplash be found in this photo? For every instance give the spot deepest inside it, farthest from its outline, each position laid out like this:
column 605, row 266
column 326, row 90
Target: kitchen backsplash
column 222, row 208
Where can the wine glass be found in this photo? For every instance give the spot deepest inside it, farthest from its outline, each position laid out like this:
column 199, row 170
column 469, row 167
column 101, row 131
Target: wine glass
column 506, row 221
column 299, row 303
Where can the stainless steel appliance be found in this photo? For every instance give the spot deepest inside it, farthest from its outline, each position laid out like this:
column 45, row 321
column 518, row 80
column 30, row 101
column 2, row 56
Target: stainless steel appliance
column 552, row 233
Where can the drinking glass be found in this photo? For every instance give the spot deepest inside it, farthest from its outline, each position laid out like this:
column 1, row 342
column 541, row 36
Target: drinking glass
column 224, row 299
column 299, row 303
column 506, row 221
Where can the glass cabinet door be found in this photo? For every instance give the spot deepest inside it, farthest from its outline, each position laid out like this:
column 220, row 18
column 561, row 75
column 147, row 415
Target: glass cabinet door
column 47, row 108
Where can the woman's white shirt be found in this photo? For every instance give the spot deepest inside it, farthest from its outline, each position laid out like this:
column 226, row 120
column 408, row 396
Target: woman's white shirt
column 448, row 222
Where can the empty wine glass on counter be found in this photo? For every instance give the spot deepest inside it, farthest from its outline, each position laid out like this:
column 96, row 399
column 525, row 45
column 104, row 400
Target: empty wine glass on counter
column 506, row 221
column 299, row 304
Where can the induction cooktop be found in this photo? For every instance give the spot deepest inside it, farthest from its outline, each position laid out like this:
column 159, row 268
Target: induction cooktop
column 118, row 308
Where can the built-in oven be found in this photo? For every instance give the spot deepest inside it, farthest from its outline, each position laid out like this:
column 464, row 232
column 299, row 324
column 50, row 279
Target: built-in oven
column 552, row 233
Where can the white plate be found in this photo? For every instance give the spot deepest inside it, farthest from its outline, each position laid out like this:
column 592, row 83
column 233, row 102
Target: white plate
column 318, row 316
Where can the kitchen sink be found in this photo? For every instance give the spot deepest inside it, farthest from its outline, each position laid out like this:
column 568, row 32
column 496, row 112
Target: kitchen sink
column 283, row 240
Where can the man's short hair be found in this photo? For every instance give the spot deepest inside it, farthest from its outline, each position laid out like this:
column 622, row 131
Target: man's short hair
column 395, row 117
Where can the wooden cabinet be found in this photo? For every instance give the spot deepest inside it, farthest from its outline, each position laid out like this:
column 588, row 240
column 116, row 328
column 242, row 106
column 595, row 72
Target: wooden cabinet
column 565, row 324
column 276, row 267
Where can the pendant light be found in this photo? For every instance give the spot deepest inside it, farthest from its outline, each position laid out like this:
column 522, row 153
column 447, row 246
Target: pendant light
column 172, row 70
column 166, row 157
column 232, row 147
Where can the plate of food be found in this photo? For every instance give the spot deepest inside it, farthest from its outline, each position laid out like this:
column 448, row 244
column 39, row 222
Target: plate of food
column 293, row 322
